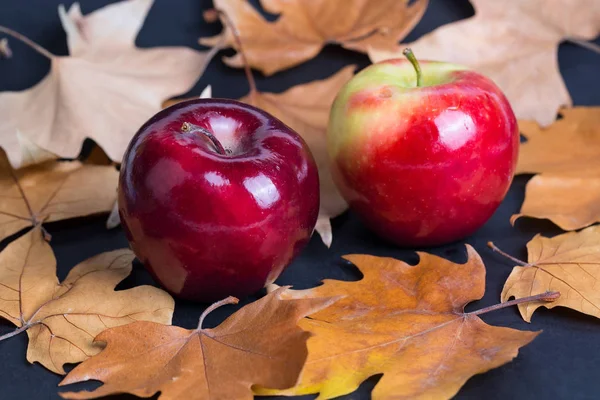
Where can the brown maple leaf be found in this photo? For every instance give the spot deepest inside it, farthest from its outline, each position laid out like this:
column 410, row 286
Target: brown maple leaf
column 567, row 156
column 259, row 344
column 62, row 319
column 305, row 109
column 53, row 191
column 515, row 43
column 569, row 263
column 104, row 90
column 407, row 322
column 303, row 28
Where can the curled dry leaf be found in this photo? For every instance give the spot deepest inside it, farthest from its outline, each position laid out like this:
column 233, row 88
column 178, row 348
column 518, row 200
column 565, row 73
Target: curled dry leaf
column 567, row 156
column 305, row 109
column 62, row 319
column 407, row 322
column 259, row 344
column 568, row 263
column 303, row 28
column 515, row 43
column 104, row 90
column 53, row 191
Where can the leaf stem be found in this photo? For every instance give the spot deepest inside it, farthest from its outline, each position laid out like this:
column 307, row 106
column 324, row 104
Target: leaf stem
column 492, row 246
column 209, row 15
column 214, row 306
column 27, row 41
column 413, row 60
column 587, row 45
column 15, row 332
column 546, row 296
column 5, row 51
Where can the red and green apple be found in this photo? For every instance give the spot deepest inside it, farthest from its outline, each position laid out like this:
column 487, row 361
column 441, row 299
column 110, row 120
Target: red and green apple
column 423, row 153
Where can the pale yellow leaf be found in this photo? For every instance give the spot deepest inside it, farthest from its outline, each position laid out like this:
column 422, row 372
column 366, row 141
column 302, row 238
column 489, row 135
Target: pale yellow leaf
column 105, row 90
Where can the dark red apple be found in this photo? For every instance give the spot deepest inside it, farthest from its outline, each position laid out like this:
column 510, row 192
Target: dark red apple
column 217, row 197
column 427, row 163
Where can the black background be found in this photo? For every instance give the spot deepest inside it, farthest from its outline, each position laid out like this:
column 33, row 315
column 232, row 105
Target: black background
column 561, row 363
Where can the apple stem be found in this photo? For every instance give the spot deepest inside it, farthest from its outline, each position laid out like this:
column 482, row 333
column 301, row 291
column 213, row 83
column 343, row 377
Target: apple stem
column 492, row 246
column 413, row 60
column 209, row 15
column 191, row 128
column 214, row 306
column 27, row 41
column 546, row 296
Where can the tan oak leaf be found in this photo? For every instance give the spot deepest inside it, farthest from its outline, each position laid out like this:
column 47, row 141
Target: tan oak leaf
column 304, row 28
column 62, row 319
column 407, row 323
column 104, row 90
column 515, row 43
column 259, row 344
column 53, row 191
column 566, row 155
column 568, row 263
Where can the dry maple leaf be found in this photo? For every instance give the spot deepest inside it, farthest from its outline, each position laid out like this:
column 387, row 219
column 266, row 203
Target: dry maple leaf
column 305, row 109
column 104, row 90
column 569, row 263
column 303, row 28
column 53, row 191
column 62, row 319
column 259, row 344
column 567, row 154
column 408, row 323
column 515, row 43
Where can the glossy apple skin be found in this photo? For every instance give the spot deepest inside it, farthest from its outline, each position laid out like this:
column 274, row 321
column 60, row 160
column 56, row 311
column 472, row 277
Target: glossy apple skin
column 422, row 166
column 208, row 225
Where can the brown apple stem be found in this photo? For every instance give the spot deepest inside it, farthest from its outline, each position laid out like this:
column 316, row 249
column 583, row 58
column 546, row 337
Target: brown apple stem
column 210, row 15
column 546, row 296
column 191, row 128
column 214, row 306
column 27, row 41
column 492, row 246
column 413, row 60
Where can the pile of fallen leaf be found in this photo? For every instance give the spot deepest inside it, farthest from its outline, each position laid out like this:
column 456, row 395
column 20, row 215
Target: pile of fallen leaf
column 407, row 322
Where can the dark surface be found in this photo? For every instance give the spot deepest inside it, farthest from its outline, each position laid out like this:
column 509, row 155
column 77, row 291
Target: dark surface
column 562, row 363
